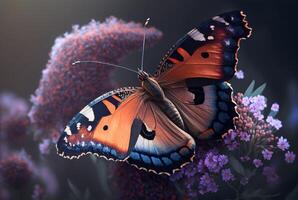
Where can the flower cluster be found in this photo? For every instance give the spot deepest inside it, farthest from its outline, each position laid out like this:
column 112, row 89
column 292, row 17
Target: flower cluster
column 199, row 176
column 243, row 153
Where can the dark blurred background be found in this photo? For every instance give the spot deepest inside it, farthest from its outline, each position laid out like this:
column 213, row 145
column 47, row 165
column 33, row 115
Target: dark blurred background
column 29, row 28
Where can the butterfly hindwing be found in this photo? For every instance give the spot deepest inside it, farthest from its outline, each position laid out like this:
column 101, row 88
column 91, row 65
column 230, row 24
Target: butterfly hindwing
column 106, row 127
column 207, row 111
column 208, row 51
column 162, row 147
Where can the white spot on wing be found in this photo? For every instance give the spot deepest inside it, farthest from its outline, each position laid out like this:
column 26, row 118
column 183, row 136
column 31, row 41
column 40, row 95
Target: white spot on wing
column 196, row 35
column 88, row 112
column 210, row 37
column 78, row 125
column 89, row 128
column 67, row 130
column 220, row 19
column 212, row 27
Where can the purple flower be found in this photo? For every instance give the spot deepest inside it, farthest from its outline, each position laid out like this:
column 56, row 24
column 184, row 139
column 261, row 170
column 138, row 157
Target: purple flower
column 270, row 174
column 257, row 162
column 274, row 122
column 282, row 143
column 227, row 175
column 290, row 157
column 267, row 154
column 239, row 74
column 65, row 89
column 207, row 184
column 214, row 162
column 244, row 136
column 230, row 140
column 258, row 115
column 15, row 171
column 246, row 101
column 275, row 107
column 258, row 103
column 44, row 146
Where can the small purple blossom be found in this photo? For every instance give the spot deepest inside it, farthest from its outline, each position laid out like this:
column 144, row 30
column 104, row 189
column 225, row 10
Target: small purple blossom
column 227, row 175
column 290, row 157
column 207, row 184
column 214, row 162
column 244, row 136
column 257, row 103
column 274, row 122
column 258, row 115
column 283, row 143
column 257, row 162
column 239, row 74
column 275, row 107
column 230, row 140
column 267, row 154
column 246, row 101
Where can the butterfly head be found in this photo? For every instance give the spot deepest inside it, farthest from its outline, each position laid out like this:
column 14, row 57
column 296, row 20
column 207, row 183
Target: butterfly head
column 142, row 75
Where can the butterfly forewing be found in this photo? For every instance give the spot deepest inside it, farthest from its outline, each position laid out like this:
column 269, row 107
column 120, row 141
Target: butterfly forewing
column 208, row 52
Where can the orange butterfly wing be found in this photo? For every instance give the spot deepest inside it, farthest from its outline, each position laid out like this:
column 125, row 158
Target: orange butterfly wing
column 162, row 147
column 107, row 126
column 208, row 52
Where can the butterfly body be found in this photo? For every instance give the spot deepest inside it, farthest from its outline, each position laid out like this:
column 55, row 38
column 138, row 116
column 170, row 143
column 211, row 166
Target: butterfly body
column 155, row 127
column 156, row 94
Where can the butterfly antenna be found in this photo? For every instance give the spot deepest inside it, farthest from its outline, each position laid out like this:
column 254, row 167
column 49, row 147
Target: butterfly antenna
column 144, row 40
column 104, row 63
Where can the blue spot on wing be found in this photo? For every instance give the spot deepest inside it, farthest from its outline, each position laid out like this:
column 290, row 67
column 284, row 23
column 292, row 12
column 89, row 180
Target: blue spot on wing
column 146, row 159
column 156, row 161
column 175, row 156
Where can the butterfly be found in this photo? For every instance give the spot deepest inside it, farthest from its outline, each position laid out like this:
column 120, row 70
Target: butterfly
column 155, row 126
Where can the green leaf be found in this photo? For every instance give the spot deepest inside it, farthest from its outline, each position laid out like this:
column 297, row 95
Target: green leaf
column 236, row 165
column 259, row 90
column 250, row 88
column 76, row 192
